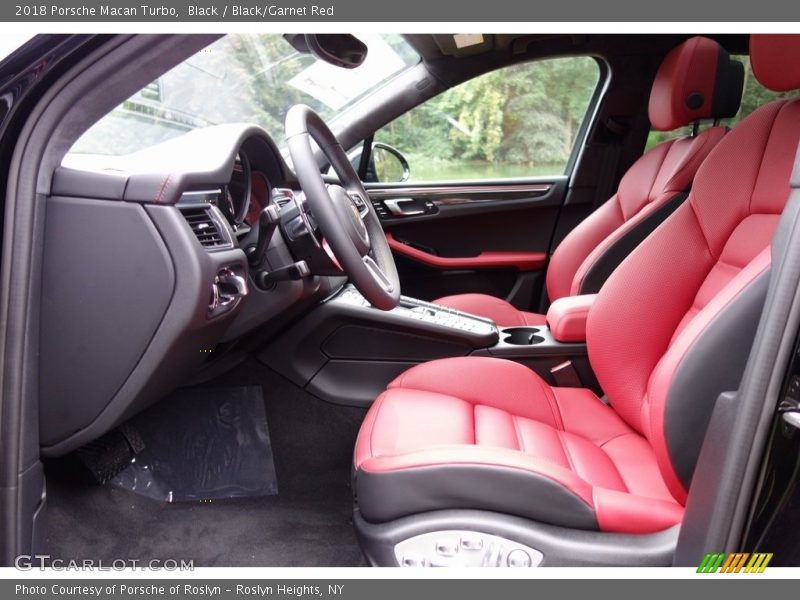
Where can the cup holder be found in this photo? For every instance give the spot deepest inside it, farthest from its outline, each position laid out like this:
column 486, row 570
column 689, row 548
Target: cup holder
column 522, row 336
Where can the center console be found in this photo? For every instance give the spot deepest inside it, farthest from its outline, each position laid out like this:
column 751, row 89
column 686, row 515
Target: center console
column 346, row 351
column 482, row 330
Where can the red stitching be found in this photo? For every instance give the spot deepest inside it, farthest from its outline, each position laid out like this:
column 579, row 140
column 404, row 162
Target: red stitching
column 160, row 193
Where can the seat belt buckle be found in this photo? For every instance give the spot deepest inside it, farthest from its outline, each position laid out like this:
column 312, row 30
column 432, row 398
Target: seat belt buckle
column 565, row 375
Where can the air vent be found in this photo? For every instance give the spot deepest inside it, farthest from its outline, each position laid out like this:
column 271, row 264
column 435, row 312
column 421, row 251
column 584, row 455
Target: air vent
column 206, row 228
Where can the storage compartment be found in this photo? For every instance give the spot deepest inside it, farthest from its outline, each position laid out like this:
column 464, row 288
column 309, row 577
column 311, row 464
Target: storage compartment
column 522, row 336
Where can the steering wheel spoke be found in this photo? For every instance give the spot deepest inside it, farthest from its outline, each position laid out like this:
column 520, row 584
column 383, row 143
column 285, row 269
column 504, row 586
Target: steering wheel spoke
column 378, row 274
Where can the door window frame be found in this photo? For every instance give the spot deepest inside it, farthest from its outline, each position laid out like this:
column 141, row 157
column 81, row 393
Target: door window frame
column 573, row 160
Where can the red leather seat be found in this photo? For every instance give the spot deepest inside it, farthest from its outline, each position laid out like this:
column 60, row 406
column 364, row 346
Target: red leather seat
column 651, row 188
column 668, row 333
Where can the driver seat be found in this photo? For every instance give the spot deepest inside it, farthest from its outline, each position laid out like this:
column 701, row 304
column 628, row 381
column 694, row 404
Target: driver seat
column 670, row 330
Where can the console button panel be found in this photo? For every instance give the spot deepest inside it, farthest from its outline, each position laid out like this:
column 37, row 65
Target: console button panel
column 427, row 312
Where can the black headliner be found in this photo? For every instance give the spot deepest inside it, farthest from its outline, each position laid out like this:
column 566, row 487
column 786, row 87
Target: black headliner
column 452, row 67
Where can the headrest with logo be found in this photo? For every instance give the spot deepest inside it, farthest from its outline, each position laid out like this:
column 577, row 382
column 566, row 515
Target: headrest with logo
column 696, row 80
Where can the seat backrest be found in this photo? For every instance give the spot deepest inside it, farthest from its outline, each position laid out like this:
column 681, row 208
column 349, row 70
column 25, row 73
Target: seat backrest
column 696, row 80
column 672, row 327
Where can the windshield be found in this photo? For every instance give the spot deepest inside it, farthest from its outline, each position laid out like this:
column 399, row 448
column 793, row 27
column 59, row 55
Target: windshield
column 243, row 78
column 12, row 41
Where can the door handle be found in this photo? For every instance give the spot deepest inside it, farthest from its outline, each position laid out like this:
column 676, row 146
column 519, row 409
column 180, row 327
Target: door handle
column 404, row 207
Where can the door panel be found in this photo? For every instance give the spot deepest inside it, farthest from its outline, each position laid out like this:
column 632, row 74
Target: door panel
column 471, row 238
column 510, row 138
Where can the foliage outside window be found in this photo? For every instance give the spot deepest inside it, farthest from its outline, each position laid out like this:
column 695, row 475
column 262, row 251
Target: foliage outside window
column 520, row 121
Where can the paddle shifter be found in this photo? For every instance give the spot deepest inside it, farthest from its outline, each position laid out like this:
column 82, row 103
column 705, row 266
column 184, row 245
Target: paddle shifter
column 268, row 221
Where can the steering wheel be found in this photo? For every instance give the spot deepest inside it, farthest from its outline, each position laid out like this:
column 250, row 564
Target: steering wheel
column 343, row 212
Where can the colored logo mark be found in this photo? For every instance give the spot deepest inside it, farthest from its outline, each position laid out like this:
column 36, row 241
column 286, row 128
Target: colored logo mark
column 735, row 562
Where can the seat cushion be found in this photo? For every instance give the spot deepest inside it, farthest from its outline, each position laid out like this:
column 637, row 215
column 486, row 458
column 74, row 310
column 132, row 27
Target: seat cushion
column 446, row 435
column 496, row 309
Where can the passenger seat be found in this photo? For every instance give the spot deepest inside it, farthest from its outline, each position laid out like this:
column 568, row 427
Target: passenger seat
column 697, row 80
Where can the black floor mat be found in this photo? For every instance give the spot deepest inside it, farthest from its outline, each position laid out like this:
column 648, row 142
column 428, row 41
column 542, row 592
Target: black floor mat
column 202, row 443
column 307, row 524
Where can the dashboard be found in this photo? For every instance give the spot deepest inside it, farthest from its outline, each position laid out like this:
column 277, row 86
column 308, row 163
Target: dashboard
column 244, row 196
column 159, row 264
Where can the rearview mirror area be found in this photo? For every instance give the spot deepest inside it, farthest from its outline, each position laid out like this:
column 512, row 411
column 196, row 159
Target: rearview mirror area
column 338, row 49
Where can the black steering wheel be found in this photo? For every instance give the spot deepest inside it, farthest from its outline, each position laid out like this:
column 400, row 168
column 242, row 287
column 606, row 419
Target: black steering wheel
column 343, row 212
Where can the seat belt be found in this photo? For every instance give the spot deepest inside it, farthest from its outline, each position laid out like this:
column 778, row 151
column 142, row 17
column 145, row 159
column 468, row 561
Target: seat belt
column 565, row 375
column 607, row 183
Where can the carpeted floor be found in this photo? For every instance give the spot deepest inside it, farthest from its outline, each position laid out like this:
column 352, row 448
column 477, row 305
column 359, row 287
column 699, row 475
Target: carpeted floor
column 308, row 523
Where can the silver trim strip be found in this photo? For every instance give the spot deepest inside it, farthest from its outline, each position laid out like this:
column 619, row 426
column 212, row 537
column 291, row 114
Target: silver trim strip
column 200, row 192
column 540, row 188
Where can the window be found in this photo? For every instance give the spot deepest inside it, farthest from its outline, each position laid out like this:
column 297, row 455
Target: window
column 520, row 121
column 10, row 42
column 243, row 78
column 753, row 95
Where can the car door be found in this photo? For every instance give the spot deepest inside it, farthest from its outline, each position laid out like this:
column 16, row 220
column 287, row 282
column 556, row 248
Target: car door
column 471, row 185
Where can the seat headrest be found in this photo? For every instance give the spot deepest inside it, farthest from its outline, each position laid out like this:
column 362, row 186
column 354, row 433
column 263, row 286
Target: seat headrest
column 775, row 60
column 696, row 80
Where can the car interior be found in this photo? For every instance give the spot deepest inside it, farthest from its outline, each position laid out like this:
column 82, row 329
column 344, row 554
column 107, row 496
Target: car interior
column 421, row 300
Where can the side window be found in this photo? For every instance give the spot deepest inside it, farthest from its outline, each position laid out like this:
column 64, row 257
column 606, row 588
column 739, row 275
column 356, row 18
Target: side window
column 520, row 121
column 753, row 95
